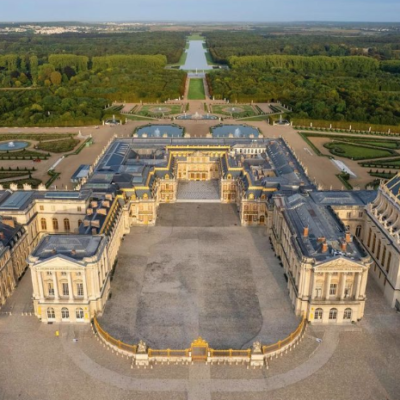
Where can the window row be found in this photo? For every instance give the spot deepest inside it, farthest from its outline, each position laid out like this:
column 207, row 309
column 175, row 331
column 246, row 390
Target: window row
column 67, row 224
column 51, row 314
column 333, row 313
column 53, row 208
column 384, row 256
column 65, row 289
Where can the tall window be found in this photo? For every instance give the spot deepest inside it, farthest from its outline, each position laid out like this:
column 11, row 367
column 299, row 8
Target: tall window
column 383, row 256
column 369, row 237
column 318, row 313
column 55, row 224
column 67, row 226
column 347, row 314
column 358, row 231
column 333, row 314
column 64, row 313
column 65, row 289
column 333, row 289
column 79, row 313
column 79, row 289
column 50, row 289
column 373, row 244
column 43, row 224
column 51, row 313
column 318, row 292
column 349, row 214
column 379, row 249
column 388, row 262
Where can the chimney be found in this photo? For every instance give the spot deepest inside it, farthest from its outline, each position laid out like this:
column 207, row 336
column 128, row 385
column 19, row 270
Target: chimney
column 321, row 239
column 348, row 237
column 344, row 246
column 73, row 252
column 305, row 231
column 2, row 237
column 324, row 247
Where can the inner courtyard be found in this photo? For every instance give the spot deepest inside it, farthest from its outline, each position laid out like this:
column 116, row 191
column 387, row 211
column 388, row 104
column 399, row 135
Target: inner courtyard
column 198, row 273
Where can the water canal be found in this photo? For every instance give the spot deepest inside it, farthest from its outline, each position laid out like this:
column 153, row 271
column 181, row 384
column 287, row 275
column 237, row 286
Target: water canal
column 196, row 57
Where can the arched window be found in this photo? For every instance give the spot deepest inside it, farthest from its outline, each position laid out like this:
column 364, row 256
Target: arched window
column 358, row 231
column 67, row 226
column 79, row 313
column 55, row 224
column 43, row 224
column 347, row 313
column 318, row 313
column 64, row 313
column 51, row 313
column 333, row 314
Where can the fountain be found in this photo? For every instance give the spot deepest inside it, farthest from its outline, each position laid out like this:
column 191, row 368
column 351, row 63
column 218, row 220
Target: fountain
column 157, row 133
column 238, row 133
column 11, row 145
column 197, row 115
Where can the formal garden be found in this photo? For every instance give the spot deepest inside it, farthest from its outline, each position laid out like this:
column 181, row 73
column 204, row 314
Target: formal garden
column 159, row 110
column 196, row 89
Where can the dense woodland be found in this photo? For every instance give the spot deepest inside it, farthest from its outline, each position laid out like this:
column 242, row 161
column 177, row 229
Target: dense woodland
column 334, row 78
column 74, row 89
column 69, row 79
column 225, row 44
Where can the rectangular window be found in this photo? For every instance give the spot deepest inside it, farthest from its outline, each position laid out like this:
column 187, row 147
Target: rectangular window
column 318, row 292
column 333, row 289
column 79, row 208
column 41, row 208
column 383, row 256
column 349, row 214
column 388, row 262
column 369, row 237
column 360, row 214
column 79, row 289
column 379, row 250
column 373, row 244
column 63, row 273
column 50, row 289
column 65, row 289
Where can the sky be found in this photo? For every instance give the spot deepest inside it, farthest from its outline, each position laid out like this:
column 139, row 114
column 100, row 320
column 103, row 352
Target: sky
column 200, row 10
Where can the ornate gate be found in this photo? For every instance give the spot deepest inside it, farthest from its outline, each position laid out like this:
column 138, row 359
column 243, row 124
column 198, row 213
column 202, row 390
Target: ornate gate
column 199, row 350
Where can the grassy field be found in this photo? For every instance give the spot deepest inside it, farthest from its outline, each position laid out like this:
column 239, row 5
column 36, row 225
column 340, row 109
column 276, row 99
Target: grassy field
column 196, row 90
column 356, row 151
column 58, row 146
column 148, row 110
column 195, row 37
column 243, row 110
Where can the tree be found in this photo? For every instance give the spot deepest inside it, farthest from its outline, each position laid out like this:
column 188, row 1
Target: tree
column 56, row 78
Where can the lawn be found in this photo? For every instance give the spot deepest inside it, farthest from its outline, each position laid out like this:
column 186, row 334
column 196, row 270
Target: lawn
column 196, row 90
column 35, row 136
column 392, row 163
column 149, row 110
column 243, row 110
column 23, row 155
column 356, row 151
column 195, row 37
column 58, row 146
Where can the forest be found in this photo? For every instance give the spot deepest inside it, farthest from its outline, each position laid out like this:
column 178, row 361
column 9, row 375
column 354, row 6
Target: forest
column 225, row 44
column 352, row 88
column 70, row 89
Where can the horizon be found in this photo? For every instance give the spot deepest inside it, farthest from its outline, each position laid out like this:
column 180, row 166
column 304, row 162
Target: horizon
column 253, row 11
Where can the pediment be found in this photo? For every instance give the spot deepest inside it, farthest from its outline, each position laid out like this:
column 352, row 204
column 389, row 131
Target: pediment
column 59, row 262
column 340, row 264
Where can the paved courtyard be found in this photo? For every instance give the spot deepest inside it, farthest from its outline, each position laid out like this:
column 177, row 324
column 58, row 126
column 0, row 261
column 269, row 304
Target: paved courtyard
column 198, row 272
column 191, row 191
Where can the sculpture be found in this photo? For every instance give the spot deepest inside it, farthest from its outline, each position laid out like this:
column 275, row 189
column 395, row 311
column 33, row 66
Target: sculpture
column 256, row 348
column 142, row 348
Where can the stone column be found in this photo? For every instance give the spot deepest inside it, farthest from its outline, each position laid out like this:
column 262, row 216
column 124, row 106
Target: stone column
column 70, row 287
column 358, row 285
column 343, row 287
column 40, row 279
column 313, row 286
column 328, row 277
column 363, row 286
column 85, row 291
column 55, row 283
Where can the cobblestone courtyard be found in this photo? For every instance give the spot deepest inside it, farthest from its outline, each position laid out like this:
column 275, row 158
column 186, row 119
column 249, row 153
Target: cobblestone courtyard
column 356, row 362
column 198, row 272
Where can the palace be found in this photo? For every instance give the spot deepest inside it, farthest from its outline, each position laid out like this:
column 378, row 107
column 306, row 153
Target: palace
column 74, row 237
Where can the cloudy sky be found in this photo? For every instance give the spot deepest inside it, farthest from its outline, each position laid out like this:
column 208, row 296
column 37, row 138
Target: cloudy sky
column 200, row 10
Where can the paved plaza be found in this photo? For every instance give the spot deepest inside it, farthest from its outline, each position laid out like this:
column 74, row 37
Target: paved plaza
column 191, row 191
column 198, row 273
